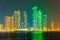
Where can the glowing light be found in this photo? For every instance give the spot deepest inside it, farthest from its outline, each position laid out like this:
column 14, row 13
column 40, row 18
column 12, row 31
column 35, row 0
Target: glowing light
column 22, row 25
column 1, row 27
column 38, row 35
column 25, row 29
column 31, row 29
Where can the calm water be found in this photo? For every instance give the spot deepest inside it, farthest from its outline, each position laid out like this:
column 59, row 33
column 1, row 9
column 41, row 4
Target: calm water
column 30, row 36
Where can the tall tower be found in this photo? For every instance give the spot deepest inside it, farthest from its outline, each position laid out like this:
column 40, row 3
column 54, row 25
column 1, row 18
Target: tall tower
column 17, row 19
column 8, row 23
column 39, row 19
column 44, row 21
column 52, row 25
column 34, row 15
column 25, row 19
column 12, row 23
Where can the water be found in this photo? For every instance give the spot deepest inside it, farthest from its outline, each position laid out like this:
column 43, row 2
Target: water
column 30, row 36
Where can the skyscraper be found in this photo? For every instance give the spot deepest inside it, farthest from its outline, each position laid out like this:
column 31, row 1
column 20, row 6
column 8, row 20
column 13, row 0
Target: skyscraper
column 17, row 19
column 34, row 15
column 1, row 27
column 12, row 23
column 52, row 26
column 8, row 22
column 39, row 19
column 45, row 20
column 25, row 19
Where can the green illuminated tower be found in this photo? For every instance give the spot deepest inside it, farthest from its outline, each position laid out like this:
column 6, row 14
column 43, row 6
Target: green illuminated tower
column 37, row 22
column 39, row 19
column 34, row 16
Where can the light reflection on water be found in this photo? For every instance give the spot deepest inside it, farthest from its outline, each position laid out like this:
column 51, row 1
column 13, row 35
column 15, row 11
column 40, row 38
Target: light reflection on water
column 29, row 36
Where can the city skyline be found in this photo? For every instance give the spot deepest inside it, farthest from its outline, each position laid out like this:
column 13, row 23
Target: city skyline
column 51, row 7
column 29, row 16
column 21, row 20
column 29, row 19
column 7, row 8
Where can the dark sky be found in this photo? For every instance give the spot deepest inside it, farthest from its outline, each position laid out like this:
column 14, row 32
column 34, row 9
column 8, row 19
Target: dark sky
column 52, row 8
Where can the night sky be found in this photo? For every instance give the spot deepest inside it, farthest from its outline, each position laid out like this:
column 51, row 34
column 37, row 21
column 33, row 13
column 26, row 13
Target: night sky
column 51, row 7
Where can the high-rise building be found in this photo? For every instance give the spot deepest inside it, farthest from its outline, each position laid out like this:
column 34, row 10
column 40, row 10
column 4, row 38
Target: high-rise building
column 53, row 28
column 8, row 23
column 52, row 25
column 44, row 21
column 17, row 19
column 1, row 26
column 12, row 23
column 25, row 19
column 39, row 19
column 34, row 16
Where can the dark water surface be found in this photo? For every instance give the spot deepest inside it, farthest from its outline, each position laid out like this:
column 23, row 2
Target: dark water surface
column 29, row 36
